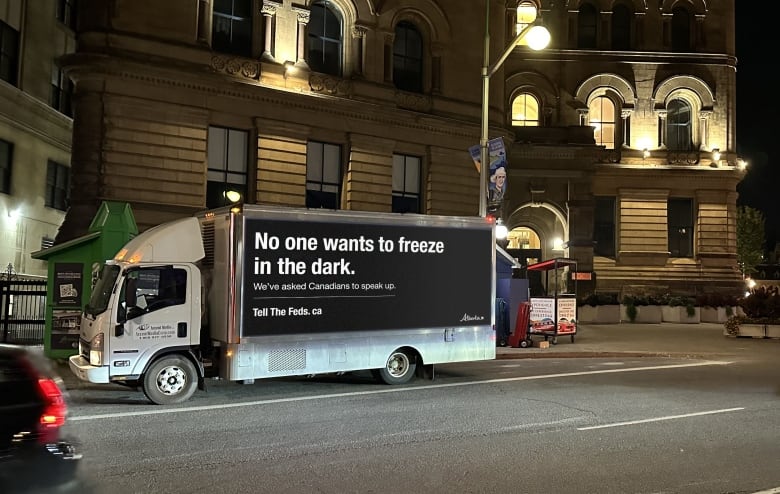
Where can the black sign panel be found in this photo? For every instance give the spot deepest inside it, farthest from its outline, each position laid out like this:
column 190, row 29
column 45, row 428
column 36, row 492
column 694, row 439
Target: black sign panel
column 68, row 283
column 320, row 277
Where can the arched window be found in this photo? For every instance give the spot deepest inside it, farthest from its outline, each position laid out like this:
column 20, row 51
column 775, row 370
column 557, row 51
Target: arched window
column 679, row 128
column 408, row 58
column 587, row 24
column 526, row 15
column 621, row 28
column 601, row 113
column 231, row 27
column 325, row 40
column 681, row 30
column 525, row 110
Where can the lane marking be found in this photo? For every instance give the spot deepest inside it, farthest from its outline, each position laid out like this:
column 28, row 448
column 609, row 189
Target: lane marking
column 201, row 408
column 659, row 419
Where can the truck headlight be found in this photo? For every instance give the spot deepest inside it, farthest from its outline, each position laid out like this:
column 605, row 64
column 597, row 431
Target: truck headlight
column 96, row 350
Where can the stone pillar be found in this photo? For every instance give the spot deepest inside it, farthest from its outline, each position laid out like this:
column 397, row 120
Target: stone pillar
column 662, row 126
column 388, row 56
column 704, row 130
column 268, row 10
column 86, row 165
column 625, row 137
column 303, row 20
column 359, row 39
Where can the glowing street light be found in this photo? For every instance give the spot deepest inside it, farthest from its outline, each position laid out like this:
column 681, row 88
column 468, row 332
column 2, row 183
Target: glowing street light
column 537, row 37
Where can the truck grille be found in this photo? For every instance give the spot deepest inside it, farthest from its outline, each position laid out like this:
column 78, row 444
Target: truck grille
column 286, row 360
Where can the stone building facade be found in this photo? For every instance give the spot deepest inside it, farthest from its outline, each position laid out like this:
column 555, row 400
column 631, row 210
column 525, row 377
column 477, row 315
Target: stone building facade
column 35, row 129
column 620, row 135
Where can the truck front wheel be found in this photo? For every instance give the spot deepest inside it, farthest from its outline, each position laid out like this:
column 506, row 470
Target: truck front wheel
column 170, row 380
column 398, row 369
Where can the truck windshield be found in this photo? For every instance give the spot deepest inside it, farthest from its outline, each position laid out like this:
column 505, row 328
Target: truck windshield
column 98, row 302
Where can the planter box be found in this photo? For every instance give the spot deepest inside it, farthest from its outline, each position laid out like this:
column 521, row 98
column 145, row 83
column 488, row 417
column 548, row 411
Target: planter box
column 716, row 314
column 679, row 314
column 600, row 314
column 645, row 314
column 752, row 330
column 773, row 330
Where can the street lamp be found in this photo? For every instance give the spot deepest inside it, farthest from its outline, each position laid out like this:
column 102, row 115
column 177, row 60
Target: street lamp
column 538, row 39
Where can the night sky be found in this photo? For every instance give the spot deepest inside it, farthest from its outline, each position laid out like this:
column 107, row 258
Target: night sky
column 757, row 114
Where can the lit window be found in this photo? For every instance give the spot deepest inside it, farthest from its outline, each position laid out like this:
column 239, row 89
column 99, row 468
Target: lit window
column 525, row 110
column 526, row 15
column 601, row 113
column 406, row 184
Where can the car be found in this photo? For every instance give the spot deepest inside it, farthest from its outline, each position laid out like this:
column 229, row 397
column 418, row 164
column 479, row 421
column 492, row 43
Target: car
column 35, row 454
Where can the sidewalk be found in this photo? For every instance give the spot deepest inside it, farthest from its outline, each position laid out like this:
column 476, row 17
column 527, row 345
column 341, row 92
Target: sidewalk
column 701, row 340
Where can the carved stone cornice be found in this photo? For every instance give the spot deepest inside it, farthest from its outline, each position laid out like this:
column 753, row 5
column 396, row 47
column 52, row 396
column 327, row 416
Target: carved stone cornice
column 705, row 114
column 242, row 67
column 325, row 84
column 302, row 14
column 661, row 114
column 269, row 8
column 625, row 113
column 413, row 101
column 359, row 32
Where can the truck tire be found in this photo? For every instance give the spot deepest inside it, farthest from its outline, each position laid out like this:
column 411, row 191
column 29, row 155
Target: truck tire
column 169, row 380
column 398, row 369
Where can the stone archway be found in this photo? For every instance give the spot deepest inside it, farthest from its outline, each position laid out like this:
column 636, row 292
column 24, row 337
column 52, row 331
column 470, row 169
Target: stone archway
column 554, row 224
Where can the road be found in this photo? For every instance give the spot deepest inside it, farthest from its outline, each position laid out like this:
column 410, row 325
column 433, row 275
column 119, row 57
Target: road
column 574, row 425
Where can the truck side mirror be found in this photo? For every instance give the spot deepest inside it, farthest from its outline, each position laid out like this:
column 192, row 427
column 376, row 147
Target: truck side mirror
column 130, row 295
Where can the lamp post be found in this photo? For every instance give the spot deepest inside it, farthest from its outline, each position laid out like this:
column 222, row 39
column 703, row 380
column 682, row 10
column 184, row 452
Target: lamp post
column 538, row 39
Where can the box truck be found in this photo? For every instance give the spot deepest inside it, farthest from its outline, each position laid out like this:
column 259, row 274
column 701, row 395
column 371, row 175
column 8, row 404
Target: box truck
column 260, row 292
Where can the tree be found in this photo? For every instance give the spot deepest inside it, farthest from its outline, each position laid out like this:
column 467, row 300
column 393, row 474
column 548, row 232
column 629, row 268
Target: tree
column 750, row 239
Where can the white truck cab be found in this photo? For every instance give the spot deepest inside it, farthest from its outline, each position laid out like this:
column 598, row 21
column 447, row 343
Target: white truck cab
column 142, row 323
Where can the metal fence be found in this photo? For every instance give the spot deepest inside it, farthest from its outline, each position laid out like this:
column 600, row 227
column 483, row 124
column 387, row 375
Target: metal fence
column 22, row 311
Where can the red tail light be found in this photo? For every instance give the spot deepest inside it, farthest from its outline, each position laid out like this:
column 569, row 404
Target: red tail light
column 53, row 415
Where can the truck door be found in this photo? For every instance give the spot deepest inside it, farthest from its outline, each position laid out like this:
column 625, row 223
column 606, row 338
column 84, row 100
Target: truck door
column 154, row 312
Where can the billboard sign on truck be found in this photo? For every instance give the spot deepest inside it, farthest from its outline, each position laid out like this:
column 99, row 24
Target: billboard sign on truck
column 343, row 276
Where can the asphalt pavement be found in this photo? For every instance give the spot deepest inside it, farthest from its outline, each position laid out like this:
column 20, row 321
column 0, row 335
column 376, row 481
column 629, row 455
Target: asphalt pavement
column 700, row 340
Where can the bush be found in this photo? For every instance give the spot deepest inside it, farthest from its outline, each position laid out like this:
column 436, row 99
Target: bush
column 762, row 302
column 598, row 298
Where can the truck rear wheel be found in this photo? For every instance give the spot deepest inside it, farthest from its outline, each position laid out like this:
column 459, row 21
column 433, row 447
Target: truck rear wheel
column 398, row 369
column 170, row 380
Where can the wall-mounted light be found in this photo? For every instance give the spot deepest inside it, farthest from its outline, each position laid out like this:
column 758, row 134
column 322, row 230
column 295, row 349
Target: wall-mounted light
column 742, row 164
column 645, row 153
column 502, row 232
column 557, row 244
column 289, row 68
column 233, row 196
column 716, row 154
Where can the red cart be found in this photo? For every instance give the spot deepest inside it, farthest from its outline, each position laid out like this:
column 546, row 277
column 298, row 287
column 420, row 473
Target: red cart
column 555, row 313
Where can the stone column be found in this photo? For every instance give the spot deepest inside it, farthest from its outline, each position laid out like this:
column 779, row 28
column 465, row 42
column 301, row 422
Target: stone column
column 662, row 116
column 359, row 39
column 268, row 10
column 625, row 137
column 704, row 129
column 303, row 20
